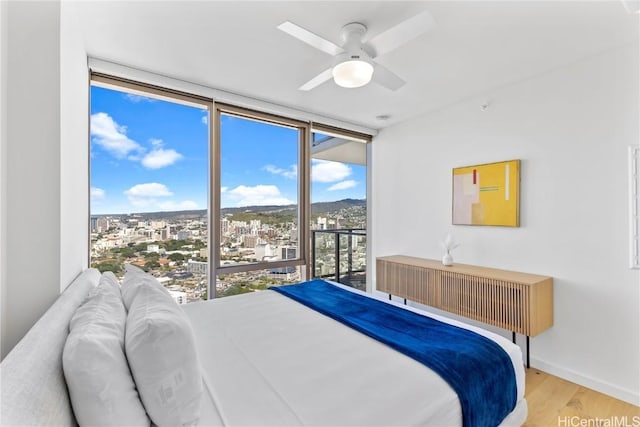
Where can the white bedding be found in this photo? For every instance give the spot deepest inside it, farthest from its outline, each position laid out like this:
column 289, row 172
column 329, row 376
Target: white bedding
column 268, row 360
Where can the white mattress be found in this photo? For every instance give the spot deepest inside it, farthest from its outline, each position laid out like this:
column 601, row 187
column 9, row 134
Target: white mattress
column 268, row 360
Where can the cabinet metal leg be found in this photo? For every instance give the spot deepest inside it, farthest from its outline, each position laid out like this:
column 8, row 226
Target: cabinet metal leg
column 513, row 339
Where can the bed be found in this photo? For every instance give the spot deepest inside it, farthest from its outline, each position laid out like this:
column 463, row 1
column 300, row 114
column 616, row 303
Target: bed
column 260, row 359
column 269, row 360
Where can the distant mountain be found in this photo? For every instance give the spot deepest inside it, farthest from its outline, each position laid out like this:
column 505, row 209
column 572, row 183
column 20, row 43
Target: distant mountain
column 192, row 214
column 326, row 207
column 316, row 209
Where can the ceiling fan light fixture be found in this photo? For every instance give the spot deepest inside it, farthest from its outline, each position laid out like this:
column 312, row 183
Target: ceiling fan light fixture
column 352, row 73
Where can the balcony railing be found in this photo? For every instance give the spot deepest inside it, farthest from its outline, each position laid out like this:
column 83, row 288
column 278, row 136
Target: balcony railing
column 340, row 255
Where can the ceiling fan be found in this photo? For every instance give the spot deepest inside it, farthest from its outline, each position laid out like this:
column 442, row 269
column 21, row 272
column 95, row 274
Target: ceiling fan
column 353, row 62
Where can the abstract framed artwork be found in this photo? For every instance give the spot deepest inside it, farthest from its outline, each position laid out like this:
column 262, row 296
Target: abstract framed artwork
column 487, row 194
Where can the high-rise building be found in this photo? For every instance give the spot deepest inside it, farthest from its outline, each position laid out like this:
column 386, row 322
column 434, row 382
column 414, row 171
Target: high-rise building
column 102, row 225
column 156, row 225
column 197, row 267
column 250, row 241
column 288, row 252
column 263, row 251
column 321, row 223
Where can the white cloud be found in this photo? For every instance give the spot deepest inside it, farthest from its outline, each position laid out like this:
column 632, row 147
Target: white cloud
column 223, row 189
column 344, row 185
column 156, row 143
column 97, row 193
column 143, row 195
column 205, row 119
column 290, row 173
column 151, row 189
column 327, row 171
column 259, row 195
column 160, row 158
column 112, row 137
column 178, row 206
column 153, row 195
column 138, row 98
column 146, row 195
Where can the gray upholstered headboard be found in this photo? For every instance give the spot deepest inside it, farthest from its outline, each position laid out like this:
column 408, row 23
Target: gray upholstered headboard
column 33, row 388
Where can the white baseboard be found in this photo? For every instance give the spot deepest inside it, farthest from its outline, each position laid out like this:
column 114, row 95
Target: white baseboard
column 629, row 396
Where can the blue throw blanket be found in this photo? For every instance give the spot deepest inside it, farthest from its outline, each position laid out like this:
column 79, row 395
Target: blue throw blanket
column 478, row 369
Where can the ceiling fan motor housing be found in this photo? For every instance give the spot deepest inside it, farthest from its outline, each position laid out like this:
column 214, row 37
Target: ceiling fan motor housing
column 352, row 35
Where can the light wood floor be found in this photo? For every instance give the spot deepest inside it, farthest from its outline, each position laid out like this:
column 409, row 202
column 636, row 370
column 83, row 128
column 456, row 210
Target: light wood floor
column 555, row 402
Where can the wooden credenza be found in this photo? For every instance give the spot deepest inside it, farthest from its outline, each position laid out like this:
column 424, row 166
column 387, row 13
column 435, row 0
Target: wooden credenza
column 519, row 302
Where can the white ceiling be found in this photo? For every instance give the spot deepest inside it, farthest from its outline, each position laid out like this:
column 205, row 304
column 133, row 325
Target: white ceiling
column 476, row 47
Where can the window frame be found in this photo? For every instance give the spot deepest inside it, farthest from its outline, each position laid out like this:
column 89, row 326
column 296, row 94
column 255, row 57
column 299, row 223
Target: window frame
column 303, row 190
column 351, row 135
column 171, row 95
column 215, row 109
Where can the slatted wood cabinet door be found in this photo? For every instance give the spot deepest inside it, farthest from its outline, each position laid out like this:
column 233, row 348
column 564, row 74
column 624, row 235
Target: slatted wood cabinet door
column 519, row 302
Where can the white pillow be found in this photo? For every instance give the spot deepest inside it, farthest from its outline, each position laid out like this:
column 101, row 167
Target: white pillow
column 160, row 347
column 134, row 277
column 100, row 385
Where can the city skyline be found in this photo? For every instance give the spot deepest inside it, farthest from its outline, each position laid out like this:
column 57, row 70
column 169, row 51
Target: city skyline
column 151, row 155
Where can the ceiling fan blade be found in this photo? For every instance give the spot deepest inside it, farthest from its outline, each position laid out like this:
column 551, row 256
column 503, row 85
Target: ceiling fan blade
column 309, row 38
column 386, row 78
column 402, row 33
column 317, row 80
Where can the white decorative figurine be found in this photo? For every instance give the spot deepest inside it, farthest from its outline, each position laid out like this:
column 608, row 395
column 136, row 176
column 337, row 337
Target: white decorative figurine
column 448, row 244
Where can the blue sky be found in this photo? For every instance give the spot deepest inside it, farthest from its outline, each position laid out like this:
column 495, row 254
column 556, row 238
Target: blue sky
column 151, row 155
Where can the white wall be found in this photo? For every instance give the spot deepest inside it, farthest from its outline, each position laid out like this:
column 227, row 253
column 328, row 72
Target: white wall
column 3, row 161
column 32, row 259
column 74, row 148
column 41, row 219
column 571, row 128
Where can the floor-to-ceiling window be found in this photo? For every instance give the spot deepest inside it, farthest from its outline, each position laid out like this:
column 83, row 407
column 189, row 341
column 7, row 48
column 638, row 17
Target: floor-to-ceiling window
column 149, row 174
column 261, row 200
column 221, row 201
column 339, row 205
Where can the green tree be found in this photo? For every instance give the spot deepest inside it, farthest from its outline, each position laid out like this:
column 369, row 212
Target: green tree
column 176, row 257
column 108, row 266
column 151, row 256
column 150, row 265
column 140, row 247
column 174, row 245
column 128, row 252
